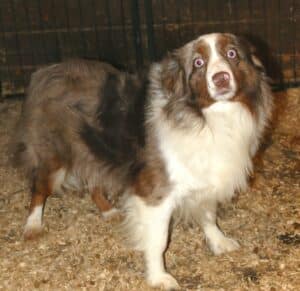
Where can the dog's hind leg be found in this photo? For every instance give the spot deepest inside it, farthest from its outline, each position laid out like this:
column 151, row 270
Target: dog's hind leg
column 46, row 179
column 106, row 208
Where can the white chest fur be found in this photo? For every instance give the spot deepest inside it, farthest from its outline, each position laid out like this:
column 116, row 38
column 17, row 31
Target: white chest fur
column 214, row 160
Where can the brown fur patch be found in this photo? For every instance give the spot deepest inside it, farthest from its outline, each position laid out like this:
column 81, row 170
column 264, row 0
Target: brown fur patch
column 203, row 50
column 197, row 79
column 173, row 76
column 151, row 185
column 42, row 183
column 102, row 203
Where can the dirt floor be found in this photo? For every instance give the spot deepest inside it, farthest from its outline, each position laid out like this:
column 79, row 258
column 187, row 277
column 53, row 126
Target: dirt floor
column 81, row 251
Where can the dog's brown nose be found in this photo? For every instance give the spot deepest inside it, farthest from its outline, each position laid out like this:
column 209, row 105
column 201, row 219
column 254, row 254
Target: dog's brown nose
column 221, row 79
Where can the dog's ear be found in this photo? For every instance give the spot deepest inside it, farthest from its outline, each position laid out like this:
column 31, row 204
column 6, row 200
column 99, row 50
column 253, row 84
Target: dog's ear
column 173, row 75
column 251, row 52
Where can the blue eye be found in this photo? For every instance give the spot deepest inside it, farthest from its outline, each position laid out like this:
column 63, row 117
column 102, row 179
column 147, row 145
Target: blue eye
column 198, row 63
column 231, row 54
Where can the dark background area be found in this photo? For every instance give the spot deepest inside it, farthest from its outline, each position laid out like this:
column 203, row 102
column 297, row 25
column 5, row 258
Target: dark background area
column 132, row 33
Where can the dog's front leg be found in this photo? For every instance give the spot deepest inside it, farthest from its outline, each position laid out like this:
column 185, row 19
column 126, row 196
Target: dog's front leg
column 150, row 226
column 217, row 241
column 157, row 219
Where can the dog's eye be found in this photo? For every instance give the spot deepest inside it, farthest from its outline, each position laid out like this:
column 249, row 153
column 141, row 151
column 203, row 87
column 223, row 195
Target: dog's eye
column 198, row 63
column 231, row 54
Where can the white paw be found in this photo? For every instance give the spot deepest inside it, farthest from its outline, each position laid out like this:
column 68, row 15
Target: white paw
column 32, row 231
column 164, row 281
column 223, row 244
column 110, row 213
column 33, row 227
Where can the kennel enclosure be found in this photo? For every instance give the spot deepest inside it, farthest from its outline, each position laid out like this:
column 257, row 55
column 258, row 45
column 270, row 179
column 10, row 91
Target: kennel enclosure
column 132, row 33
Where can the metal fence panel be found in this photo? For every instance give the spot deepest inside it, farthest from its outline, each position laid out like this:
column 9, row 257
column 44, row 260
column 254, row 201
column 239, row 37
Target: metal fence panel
column 132, row 33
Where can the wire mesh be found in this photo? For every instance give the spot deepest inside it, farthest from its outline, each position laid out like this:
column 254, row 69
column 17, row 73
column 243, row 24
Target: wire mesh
column 132, row 33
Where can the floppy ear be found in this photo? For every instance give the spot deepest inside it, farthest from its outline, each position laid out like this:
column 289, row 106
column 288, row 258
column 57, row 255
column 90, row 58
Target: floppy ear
column 257, row 63
column 173, row 76
column 252, row 54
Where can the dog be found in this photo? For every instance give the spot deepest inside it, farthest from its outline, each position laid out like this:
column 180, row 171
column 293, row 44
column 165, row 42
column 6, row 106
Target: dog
column 182, row 139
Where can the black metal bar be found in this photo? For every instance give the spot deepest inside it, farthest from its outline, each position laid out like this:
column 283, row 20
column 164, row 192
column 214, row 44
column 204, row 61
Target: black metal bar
column 137, row 38
column 5, row 50
column 96, row 29
column 178, row 20
column 19, row 54
column 265, row 28
column 279, row 50
column 29, row 28
column 150, row 30
column 80, row 30
column 124, row 30
column 293, row 19
column 235, row 16
column 207, row 9
column 251, row 15
column 193, row 17
column 110, row 32
column 163, row 11
column 41, row 26
column 66, row 8
column 57, row 49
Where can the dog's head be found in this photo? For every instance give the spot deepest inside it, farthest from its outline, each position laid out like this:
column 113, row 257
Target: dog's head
column 215, row 67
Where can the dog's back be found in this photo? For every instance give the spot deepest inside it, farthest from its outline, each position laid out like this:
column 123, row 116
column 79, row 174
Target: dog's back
column 57, row 97
column 78, row 131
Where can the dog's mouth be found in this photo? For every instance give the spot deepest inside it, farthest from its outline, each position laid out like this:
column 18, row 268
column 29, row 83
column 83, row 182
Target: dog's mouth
column 222, row 93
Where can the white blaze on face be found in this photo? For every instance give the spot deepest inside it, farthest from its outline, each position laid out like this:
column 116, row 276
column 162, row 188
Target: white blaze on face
column 216, row 64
